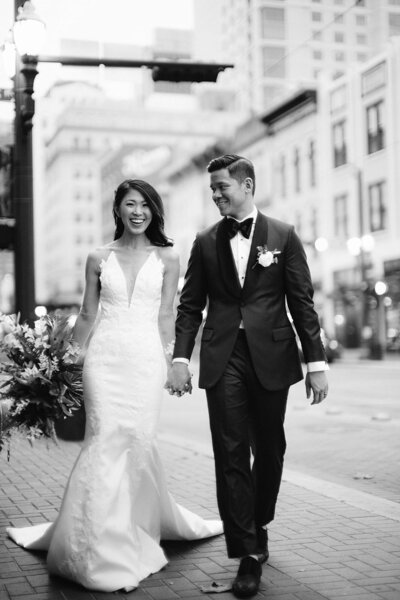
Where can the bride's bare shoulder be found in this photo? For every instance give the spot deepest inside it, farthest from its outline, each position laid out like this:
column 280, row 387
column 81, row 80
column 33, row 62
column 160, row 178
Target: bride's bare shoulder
column 99, row 254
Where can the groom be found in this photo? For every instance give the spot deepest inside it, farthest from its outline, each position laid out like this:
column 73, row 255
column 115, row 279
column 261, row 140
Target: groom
column 251, row 269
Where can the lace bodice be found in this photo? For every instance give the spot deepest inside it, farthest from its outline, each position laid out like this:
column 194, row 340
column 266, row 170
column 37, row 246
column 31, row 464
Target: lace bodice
column 144, row 303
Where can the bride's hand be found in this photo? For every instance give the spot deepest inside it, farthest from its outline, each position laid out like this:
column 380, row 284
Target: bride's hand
column 80, row 359
column 179, row 380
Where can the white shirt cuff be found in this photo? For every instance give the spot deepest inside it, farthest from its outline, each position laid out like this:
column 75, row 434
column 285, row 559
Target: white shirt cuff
column 318, row 365
column 180, row 360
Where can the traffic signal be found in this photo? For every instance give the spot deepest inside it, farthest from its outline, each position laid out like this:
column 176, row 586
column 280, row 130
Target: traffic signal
column 192, row 72
column 6, row 210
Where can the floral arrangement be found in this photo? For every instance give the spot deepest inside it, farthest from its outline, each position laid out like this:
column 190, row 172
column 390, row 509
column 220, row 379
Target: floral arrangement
column 266, row 257
column 40, row 380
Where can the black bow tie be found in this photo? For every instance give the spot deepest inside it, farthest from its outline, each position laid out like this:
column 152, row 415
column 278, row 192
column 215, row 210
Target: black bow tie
column 244, row 227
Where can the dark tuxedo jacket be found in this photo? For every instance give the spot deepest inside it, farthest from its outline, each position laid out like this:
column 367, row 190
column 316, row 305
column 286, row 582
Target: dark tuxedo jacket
column 212, row 278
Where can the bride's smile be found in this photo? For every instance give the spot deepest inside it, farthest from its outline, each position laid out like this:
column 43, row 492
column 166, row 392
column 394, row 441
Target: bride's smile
column 135, row 213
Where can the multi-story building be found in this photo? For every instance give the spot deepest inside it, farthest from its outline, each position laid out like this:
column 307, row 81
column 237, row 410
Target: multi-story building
column 359, row 159
column 278, row 46
column 327, row 161
column 89, row 144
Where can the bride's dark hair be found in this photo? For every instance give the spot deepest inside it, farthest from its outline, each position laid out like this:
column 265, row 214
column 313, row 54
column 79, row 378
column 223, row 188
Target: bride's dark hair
column 155, row 231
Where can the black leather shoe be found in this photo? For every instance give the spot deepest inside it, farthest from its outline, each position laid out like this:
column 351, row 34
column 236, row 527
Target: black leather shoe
column 247, row 580
column 262, row 540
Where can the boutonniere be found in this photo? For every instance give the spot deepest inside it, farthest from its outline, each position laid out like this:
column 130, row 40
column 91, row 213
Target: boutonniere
column 266, row 257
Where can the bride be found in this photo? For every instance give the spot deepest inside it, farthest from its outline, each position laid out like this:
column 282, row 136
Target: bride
column 116, row 505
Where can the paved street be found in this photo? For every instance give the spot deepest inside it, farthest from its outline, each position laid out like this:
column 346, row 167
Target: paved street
column 352, row 438
column 337, row 530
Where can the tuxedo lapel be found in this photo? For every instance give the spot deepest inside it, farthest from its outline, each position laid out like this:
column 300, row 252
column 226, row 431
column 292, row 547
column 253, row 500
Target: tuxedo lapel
column 226, row 262
column 260, row 238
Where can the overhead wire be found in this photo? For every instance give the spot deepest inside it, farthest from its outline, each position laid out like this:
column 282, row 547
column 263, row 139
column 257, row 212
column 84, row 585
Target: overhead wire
column 313, row 37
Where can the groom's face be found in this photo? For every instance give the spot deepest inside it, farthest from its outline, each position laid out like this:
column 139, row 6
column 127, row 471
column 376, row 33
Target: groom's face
column 232, row 197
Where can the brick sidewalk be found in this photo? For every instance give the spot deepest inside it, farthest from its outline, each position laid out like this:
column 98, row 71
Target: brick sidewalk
column 326, row 543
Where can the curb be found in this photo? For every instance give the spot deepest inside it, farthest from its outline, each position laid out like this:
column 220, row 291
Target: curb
column 363, row 500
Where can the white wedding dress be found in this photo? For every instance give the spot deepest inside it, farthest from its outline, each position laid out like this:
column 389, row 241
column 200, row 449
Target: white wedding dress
column 116, row 505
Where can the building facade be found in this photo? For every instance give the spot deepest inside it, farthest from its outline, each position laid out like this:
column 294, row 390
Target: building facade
column 326, row 161
column 87, row 144
column 279, row 46
column 361, row 222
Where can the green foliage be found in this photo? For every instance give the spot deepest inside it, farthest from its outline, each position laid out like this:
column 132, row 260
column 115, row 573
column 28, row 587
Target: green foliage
column 40, row 380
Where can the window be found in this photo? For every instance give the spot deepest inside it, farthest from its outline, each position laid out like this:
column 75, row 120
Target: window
column 272, row 23
column 338, row 17
column 377, row 206
column 361, row 39
column 296, row 164
column 375, row 127
column 338, row 98
column 271, row 93
column 361, row 56
column 360, row 20
column 339, row 56
column 317, row 54
column 339, row 37
column 394, row 24
column 316, row 16
column 339, row 144
column 337, row 74
column 273, row 58
column 374, row 78
column 341, row 217
column 317, row 35
column 311, row 158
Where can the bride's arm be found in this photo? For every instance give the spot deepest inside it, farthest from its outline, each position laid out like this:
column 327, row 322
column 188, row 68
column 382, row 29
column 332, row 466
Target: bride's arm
column 166, row 315
column 88, row 312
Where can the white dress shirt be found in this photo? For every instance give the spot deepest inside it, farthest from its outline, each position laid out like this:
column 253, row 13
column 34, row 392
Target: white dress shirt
column 241, row 250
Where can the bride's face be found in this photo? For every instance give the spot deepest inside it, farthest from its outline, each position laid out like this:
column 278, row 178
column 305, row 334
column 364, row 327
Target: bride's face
column 135, row 212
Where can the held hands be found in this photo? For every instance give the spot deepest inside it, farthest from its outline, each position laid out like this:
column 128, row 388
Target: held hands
column 179, row 380
column 317, row 381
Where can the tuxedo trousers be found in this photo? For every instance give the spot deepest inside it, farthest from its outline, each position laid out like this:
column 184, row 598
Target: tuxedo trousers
column 248, row 437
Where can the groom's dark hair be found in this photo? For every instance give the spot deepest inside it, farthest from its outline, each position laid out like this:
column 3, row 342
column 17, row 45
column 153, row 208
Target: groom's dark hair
column 238, row 167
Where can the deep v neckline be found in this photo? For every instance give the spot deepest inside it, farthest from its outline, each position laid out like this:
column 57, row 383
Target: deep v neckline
column 130, row 293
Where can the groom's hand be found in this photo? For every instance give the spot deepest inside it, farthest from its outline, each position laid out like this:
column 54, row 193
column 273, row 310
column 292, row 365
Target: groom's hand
column 179, row 379
column 317, row 381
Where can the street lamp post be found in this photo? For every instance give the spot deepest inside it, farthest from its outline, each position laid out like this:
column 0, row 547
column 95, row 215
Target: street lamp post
column 28, row 29
column 24, row 254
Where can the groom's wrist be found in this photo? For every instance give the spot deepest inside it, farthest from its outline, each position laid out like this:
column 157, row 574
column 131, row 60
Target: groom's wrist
column 178, row 359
